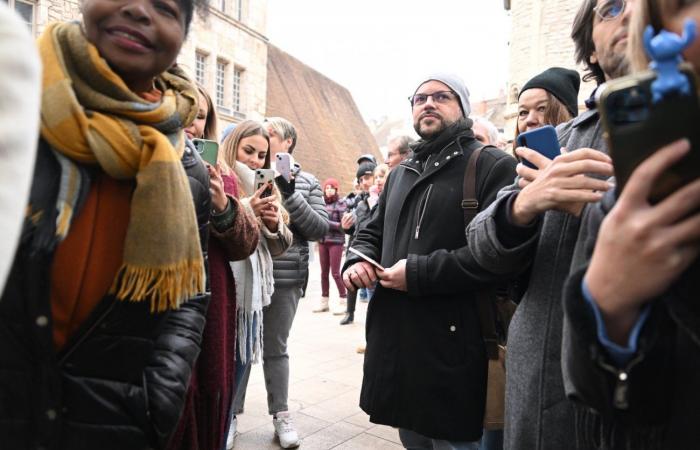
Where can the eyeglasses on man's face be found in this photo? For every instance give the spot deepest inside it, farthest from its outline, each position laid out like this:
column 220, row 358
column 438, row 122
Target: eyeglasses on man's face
column 610, row 9
column 440, row 97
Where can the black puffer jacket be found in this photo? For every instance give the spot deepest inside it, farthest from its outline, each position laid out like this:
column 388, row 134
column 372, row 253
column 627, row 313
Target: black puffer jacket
column 120, row 381
column 309, row 222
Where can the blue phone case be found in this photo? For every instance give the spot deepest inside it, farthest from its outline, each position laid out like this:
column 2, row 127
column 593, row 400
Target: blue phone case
column 543, row 140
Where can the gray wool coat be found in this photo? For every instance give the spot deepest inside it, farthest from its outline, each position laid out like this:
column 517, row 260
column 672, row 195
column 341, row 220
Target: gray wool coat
column 538, row 415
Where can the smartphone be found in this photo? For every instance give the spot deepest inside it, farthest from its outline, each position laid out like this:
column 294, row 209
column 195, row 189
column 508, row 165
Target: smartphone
column 208, row 150
column 366, row 258
column 263, row 177
column 635, row 127
column 543, row 140
column 284, row 163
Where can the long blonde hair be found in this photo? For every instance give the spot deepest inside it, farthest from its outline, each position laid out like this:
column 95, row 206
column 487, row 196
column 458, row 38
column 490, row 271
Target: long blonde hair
column 229, row 156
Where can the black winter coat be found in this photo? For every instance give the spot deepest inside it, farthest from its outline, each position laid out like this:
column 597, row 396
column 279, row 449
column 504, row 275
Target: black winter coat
column 655, row 405
column 120, row 381
column 425, row 363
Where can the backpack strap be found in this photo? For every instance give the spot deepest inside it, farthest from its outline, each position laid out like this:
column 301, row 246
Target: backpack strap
column 484, row 297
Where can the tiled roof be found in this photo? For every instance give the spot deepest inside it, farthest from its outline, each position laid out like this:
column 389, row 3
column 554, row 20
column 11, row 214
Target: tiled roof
column 331, row 131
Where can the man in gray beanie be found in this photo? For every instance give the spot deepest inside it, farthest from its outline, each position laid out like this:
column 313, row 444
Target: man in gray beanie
column 425, row 362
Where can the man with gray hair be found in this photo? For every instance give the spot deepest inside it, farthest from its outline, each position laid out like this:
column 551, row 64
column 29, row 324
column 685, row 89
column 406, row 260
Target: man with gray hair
column 398, row 149
column 485, row 131
column 425, row 361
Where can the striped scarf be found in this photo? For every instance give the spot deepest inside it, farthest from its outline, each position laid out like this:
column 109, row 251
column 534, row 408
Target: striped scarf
column 90, row 117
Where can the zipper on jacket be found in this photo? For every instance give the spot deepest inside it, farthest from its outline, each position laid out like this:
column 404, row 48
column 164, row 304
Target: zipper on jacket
column 621, row 390
column 421, row 210
column 87, row 333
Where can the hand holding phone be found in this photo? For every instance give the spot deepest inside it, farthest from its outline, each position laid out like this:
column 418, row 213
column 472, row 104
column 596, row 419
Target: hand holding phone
column 365, row 257
column 543, row 140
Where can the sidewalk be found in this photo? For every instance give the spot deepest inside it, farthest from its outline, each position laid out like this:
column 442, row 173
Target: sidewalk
column 325, row 381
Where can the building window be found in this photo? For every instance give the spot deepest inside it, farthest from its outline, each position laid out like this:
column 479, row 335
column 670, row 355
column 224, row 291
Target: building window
column 239, row 10
column 220, row 84
column 237, row 77
column 200, row 67
column 25, row 9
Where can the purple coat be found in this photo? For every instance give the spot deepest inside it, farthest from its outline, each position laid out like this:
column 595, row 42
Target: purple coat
column 335, row 234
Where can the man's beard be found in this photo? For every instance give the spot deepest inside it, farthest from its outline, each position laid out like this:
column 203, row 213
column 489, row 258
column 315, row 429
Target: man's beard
column 428, row 135
column 614, row 65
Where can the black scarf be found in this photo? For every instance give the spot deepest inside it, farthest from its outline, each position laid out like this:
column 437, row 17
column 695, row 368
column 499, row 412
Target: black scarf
column 425, row 148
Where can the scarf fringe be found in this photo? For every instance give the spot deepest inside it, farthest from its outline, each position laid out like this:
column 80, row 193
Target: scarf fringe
column 166, row 287
column 250, row 340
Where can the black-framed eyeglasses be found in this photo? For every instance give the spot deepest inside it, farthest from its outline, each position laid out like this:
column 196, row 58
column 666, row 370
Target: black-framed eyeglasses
column 440, row 97
column 610, row 9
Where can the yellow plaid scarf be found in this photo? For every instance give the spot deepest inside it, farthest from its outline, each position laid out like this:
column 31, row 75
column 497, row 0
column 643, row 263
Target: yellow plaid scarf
column 90, row 116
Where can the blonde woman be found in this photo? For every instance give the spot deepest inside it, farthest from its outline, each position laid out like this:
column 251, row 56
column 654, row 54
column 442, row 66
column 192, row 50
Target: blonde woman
column 244, row 150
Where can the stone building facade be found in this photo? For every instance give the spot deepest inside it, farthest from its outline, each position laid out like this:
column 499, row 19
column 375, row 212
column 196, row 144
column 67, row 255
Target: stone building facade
column 226, row 50
column 540, row 38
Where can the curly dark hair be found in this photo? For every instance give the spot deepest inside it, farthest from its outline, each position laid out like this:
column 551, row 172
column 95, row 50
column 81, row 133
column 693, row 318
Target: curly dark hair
column 582, row 34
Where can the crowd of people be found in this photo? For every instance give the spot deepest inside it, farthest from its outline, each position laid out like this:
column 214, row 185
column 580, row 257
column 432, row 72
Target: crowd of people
column 140, row 283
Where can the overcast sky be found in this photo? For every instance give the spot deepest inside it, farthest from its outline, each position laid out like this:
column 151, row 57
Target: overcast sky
column 380, row 49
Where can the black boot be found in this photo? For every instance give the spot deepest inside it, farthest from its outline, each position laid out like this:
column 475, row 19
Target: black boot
column 349, row 317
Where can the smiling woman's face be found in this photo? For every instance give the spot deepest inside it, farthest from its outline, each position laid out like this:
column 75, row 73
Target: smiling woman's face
column 139, row 39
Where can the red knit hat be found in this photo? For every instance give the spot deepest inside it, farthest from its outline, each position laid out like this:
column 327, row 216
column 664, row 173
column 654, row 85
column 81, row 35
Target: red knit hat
column 331, row 182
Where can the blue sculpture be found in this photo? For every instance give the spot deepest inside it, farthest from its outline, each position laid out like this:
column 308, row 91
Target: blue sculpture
column 665, row 49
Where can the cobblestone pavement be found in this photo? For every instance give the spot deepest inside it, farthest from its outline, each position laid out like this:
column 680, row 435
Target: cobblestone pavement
column 325, row 380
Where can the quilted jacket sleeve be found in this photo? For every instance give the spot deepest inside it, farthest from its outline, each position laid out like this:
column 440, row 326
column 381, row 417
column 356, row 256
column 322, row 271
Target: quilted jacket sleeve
column 308, row 215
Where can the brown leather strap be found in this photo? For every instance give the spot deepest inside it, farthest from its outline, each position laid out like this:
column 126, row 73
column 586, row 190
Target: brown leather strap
column 484, row 298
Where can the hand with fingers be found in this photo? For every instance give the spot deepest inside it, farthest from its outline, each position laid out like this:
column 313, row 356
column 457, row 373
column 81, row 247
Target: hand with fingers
column 559, row 184
column 270, row 217
column 347, row 221
column 219, row 200
column 359, row 275
column 259, row 203
column 394, row 277
column 642, row 248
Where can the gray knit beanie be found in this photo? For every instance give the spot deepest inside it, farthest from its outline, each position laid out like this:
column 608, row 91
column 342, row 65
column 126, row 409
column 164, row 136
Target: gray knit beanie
column 456, row 84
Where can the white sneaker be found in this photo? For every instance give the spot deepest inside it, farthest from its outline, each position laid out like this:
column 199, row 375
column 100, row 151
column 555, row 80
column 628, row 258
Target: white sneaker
column 341, row 307
column 285, row 431
column 231, row 433
column 322, row 305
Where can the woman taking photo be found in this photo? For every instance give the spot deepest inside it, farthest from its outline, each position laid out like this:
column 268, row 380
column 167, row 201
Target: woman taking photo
column 246, row 149
column 233, row 235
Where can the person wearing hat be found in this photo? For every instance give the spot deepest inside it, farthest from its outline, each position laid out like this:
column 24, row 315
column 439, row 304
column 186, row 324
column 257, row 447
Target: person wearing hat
column 425, row 361
column 352, row 223
column 549, row 98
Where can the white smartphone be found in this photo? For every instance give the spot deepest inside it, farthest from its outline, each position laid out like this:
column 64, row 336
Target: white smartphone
column 366, row 258
column 263, row 177
column 284, row 163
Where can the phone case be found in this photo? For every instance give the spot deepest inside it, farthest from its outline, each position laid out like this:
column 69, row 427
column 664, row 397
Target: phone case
column 543, row 140
column 264, row 177
column 284, row 163
column 208, row 150
column 635, row 127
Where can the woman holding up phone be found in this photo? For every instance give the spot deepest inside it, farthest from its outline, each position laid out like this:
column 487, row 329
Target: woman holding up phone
column 233, row 235
column 247, row 149
column 632, row 332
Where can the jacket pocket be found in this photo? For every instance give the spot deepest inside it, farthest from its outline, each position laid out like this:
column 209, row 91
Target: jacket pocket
column 422, row 208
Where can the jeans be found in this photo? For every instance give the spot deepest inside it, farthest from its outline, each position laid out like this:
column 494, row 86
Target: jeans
column 330, row 256
column 412, row 440
column 277, row 322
